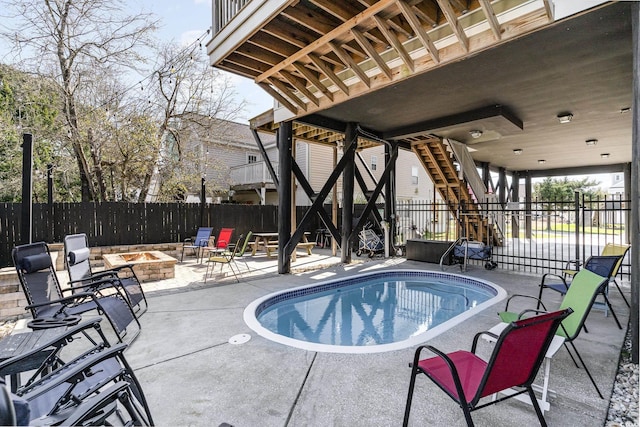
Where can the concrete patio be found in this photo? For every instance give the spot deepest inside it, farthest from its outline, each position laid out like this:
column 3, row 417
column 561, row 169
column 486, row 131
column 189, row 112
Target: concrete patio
column 192, row 375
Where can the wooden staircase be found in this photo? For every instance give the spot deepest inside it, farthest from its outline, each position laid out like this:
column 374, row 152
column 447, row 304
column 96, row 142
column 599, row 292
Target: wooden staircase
column 438, row 163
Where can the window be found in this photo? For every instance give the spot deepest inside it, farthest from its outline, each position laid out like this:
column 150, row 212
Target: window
column 374, row 163
column 414, row 175
column 252, row 158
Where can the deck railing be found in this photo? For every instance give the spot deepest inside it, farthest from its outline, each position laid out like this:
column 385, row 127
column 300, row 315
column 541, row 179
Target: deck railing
column 252, row 173
column 224, row 11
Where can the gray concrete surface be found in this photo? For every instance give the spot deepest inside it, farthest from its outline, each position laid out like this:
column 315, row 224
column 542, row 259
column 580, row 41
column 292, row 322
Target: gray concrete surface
column 193, row 376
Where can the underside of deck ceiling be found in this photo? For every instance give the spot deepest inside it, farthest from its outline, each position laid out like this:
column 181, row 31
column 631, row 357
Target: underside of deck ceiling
column 511, row 91
column 317, row 53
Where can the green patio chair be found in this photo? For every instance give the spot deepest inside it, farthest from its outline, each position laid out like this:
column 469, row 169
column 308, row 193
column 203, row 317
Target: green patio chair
column 580, row 297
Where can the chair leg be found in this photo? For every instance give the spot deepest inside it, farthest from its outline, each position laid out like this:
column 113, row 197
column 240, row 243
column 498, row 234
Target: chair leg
column 412, row 385
column 534, row 401
column 606, row 299
column 571, row 355
column 586, row 369
column 540, row 296
column 620, row 290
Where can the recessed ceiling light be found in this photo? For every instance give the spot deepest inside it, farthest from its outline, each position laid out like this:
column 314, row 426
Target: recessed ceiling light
column 475, row 133
column 542, row 161
column 517, row 151
column 591, row 142
column 604, row 155
column 565, row 117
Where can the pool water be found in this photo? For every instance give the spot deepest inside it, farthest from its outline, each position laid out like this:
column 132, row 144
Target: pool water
column 372, row 311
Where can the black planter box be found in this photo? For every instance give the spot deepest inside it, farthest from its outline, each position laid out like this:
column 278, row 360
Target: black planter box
column 428, row 250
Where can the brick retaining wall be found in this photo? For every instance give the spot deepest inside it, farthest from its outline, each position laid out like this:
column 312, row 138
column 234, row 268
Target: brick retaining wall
column 12, row 300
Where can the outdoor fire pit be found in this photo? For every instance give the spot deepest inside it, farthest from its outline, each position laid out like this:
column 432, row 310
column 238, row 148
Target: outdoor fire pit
column 148, row 266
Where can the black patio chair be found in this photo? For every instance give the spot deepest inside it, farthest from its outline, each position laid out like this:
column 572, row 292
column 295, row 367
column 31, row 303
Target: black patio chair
column 604, row 266
column 50, row 307
column 76, row 256
column 95, row 388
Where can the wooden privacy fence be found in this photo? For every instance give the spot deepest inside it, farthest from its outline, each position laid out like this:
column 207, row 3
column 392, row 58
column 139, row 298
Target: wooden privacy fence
column 119, row 223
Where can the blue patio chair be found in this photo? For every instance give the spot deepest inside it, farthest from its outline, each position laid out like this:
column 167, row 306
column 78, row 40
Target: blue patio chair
column 201, row 241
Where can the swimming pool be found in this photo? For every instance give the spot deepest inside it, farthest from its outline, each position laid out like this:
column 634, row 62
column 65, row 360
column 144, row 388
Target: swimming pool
column 370, row 312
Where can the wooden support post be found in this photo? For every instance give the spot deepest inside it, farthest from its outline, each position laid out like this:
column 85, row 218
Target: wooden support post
column 527, row 205
column 390, row 197
column 502, row 186
column 285, row 137
column 515, row 197
column 334, row 205
column 348, row 180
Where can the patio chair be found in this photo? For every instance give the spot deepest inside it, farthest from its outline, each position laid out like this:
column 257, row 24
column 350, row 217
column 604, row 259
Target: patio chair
column 226, row 257
column 604, row 266
column 34, row 356
column 223, row 240
column 467, row 378
column 201, row 240
column 97, row 388
column 610, row 249
column 580, row 296
column 48, row 305
column 76, row 256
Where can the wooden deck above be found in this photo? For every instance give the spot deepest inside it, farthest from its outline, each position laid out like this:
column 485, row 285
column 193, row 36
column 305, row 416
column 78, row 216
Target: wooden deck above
column 313, row 54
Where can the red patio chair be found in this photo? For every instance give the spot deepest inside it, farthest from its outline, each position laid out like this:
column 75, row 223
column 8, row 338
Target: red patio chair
column 514, row 362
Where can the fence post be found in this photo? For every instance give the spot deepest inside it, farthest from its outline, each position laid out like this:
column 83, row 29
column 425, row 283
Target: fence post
column 27, row 188
column 576, row 203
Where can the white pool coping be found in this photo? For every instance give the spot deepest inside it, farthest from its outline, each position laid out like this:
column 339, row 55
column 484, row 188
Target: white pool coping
column 251, row 320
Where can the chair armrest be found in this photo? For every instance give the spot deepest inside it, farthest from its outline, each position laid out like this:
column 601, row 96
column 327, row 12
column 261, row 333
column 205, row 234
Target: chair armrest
column 491, row 335
column 66, row 301
column 506, row 308
column 450, row 365
column 95, row 286
column 96, row 276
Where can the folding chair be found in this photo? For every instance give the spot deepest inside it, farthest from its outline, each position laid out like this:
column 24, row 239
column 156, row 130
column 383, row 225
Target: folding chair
column 604, row 266
column 76, row 255
column 580, row 296
column 514, row 362
column 201, row 241
column 50, row 308
column 610, row 249
column 225, row 257
column 94, row 388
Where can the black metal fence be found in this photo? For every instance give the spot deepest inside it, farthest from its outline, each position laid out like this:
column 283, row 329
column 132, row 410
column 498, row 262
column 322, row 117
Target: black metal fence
column 536, row 238
column 117, row 223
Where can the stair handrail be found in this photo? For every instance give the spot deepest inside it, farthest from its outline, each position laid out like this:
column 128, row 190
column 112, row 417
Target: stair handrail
column 479, row 191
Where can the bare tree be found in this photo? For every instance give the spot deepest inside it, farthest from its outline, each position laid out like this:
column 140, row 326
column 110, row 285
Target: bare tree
column 185, row 95
column 79, row 37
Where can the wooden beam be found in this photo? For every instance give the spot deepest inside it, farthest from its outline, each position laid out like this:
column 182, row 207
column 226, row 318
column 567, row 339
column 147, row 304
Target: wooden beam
column 421, row 33
column 340, row 9
column 338, row 31
column 393, row 41
column 288, row 92
column 491, row 18
column 372, row 52
column 272, row 44
column 281, row 29
column 351, row 63
column 452, row 19
column 311, row 19
column 281, row 99
column 295, row 81
column 318, row 62
column 313, row 79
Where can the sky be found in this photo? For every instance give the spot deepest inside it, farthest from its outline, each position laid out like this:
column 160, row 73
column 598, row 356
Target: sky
column 184, row 21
